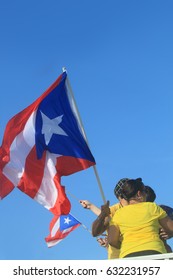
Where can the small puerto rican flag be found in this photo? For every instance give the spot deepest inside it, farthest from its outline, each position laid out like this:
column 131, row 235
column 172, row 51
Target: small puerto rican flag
column 60, row 227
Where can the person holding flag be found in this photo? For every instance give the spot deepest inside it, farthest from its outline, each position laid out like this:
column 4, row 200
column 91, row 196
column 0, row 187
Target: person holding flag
column 113, row 253
column 149, row 196
column 138, row 223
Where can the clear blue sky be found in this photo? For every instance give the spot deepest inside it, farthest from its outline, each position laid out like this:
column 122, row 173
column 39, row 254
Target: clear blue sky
column 119, row 58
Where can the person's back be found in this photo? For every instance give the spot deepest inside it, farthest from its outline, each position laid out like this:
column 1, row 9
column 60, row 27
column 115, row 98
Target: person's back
column 139, row 227
column 138, row 223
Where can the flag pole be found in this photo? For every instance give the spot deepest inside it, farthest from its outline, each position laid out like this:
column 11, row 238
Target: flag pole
column 84, row 134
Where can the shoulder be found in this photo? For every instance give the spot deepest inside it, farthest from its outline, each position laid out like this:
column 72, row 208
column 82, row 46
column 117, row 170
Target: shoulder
column 168, row 210
column 157, row 210
column 149, row 205
column 114, row 208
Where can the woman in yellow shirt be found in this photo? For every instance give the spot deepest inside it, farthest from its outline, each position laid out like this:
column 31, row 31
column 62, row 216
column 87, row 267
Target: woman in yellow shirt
column 138, row 223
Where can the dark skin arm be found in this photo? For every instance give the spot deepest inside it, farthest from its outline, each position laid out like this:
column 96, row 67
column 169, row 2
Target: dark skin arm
column 163, row 234
column 167, row 225
column 114, row 236
column 102, row 221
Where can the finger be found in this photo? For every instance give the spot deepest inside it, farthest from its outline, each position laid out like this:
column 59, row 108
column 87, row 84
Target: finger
column 83, row 203
column 108, row 203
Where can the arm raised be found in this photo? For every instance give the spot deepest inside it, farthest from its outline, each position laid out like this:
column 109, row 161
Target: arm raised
column 88, row 205
column 102, row 221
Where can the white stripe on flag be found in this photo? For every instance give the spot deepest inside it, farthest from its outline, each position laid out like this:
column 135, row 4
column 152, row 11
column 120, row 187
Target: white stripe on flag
column 55, row 228
column 19, row 150
column 53, row 242
column 48, row 193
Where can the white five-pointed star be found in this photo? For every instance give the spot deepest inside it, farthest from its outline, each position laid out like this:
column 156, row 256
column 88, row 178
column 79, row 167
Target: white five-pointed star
column 67, row 220
column 51, row 126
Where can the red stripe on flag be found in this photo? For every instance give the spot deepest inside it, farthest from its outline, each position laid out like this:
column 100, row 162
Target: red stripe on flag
column 32, row 179
column 5, row 186
column 67, row 165
column 62, row 205
column 33, row 174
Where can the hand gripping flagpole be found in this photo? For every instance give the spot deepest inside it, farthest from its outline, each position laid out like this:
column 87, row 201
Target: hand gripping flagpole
column 84, row 134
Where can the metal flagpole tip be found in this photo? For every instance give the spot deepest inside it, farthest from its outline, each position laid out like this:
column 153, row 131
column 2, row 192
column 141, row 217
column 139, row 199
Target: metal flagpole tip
column 64, row 69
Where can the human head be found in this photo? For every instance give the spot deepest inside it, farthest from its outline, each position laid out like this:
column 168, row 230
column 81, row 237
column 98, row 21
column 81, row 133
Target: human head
column 150, row 194
column 168, row 210
column 133, row 189
column 119, row 186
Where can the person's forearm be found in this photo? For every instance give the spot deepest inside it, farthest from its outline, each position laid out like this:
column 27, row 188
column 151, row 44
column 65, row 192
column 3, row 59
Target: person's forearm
column 95, row 209
column 90, row 206
column 100, row 225
column 116, row 245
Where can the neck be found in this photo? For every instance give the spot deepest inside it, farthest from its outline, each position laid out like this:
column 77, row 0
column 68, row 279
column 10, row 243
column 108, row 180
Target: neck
column 134, row 201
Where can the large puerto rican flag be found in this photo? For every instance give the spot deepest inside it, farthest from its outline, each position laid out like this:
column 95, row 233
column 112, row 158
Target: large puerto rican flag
column 42, row 143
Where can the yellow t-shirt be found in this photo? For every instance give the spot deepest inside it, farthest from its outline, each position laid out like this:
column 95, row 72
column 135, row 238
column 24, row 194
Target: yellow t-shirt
column 139, row 227
column 113, row 253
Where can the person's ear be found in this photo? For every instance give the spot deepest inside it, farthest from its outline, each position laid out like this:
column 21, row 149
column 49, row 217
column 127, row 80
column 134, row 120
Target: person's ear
column 139, row 194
